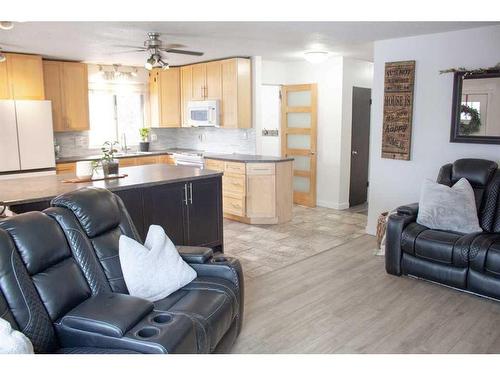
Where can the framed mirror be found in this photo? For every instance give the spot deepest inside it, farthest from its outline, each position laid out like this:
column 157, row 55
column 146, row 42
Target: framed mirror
column 476, row 108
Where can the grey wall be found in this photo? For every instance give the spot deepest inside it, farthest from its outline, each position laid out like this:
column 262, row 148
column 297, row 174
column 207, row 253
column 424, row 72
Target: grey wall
column 206, row 139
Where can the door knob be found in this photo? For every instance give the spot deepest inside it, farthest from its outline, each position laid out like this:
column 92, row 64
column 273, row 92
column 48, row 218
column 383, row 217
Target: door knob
column 354, row 152
column 312, row 153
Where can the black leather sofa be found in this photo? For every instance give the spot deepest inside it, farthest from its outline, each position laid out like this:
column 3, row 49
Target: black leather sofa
column 469, row 262
column 61, row 285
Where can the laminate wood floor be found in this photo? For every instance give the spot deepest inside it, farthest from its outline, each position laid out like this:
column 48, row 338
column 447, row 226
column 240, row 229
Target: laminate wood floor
column 342, row 301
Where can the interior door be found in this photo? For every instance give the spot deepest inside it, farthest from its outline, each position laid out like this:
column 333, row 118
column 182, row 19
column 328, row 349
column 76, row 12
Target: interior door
column 298, row 138
column 9, row 151
column 360, row 143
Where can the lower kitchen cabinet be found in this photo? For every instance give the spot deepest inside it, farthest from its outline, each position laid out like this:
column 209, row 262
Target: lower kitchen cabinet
column 256, row 193
column 190, row 212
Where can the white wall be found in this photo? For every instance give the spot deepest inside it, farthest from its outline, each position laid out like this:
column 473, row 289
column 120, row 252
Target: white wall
column 334, row 116
column 395, row 182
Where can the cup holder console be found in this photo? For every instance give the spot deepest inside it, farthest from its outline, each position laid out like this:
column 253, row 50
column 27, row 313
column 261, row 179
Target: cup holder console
column 162, row 319
column 219, row 260
column 147, row 332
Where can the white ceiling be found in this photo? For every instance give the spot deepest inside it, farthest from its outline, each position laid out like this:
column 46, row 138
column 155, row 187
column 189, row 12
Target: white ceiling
column 97, row 42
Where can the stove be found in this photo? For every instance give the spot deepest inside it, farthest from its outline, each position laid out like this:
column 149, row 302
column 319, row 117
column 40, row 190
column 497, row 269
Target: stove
column 189, row 158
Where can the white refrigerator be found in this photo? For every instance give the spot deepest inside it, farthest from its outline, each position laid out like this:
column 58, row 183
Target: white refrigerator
column 26, row 135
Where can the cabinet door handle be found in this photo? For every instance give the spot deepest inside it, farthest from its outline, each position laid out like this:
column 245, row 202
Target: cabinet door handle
column 185, row 195
column 191, row 192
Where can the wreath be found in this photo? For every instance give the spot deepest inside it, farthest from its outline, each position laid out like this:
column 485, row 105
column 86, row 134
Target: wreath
column 473, row 125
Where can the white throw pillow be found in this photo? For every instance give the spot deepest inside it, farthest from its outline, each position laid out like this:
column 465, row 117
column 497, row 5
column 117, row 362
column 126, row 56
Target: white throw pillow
column 448, row 208
column 154, row 270
column 13, row 341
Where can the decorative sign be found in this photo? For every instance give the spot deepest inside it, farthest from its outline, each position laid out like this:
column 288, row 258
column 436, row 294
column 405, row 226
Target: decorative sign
column 398, row 109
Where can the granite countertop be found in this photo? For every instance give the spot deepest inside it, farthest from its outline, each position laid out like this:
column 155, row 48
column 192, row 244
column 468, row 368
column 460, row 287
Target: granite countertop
column 43, row 188
column 246, row 158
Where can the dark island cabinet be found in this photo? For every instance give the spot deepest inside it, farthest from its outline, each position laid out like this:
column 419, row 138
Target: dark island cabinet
column 190, row 212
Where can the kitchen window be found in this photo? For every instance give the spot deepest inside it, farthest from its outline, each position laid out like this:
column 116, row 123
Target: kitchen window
column 114, row 114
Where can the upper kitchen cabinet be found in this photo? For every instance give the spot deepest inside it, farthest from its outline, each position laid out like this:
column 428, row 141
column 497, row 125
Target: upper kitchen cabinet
column 236, row 94
column 66, row 85
column 165, row 97
column 21, row 77
column 228, row 81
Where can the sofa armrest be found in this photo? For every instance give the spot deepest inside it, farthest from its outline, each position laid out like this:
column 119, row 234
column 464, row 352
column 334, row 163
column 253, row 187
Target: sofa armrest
column 408, row 209
column 195, row 254
column 395, row 226
column 108, row 314
column 227, row 268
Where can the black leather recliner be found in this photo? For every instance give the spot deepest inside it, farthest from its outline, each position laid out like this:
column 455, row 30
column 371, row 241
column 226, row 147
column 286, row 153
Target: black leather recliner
column 469, row 262
column 61, row 285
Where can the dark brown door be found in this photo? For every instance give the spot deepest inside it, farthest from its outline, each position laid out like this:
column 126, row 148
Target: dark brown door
column 205, row 212
column 360, row 143
column 132, row 199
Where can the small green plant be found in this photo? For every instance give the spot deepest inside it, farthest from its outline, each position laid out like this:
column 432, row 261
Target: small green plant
column 108, row 151
column 144, row 133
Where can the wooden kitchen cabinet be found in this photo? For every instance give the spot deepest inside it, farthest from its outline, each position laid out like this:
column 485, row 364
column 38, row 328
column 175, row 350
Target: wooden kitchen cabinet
column 256, row 193
column 21, row 77
column 66, row 84
column 199, row 75
column 124, row 162
column 165, row 98
column 4, row 82
column 228, row 81
column 236, row 94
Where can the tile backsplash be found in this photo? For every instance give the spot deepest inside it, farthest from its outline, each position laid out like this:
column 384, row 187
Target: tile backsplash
column 207, row 139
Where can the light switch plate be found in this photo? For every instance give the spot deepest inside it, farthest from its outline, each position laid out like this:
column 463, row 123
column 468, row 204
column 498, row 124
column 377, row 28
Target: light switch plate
column 270, row 132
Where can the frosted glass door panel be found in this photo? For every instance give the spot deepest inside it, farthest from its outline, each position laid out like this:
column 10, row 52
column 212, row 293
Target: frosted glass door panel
column 301, row 184
column 299, row 120
column 300, row 141
column 299, row 98
column 301, row 163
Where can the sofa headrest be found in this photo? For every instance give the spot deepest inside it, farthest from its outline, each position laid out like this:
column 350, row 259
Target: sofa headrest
column 39, row 239
column 95, row 208
column 477, row 171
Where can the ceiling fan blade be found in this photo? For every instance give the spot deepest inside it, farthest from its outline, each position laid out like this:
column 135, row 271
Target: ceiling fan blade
column 181, row 52
column 166, row 47
column 127, row 46
column 127, row 51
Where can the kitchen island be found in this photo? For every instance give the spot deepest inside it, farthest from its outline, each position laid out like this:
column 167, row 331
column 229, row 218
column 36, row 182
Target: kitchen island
column 185, row 201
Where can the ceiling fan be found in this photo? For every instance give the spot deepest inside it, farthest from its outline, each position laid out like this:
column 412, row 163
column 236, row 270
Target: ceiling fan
column 154, row 47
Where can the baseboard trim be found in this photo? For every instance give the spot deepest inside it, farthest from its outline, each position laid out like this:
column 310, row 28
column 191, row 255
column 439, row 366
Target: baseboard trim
column 334, row 205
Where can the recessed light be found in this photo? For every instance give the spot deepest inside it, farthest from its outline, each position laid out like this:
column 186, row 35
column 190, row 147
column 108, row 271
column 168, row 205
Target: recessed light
column 6, row 25
column 316, row 57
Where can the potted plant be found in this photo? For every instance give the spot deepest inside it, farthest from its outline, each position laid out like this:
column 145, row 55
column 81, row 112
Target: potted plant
column 109, row 164
column 144, row 133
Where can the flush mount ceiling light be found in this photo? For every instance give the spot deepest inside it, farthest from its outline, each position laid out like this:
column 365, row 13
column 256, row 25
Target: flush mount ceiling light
column 316, row 57
column 6, row 25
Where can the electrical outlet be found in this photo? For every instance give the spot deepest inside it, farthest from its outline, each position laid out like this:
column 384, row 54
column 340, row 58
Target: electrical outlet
column 153, row 137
